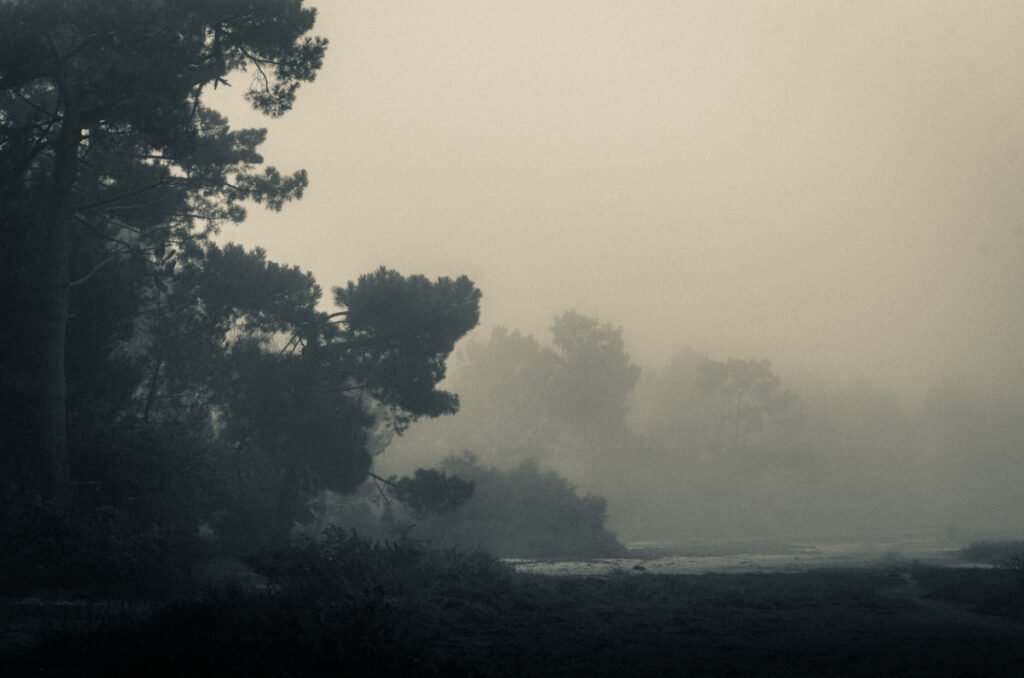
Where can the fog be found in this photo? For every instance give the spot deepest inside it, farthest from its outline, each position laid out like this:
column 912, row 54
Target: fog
column 831, row 187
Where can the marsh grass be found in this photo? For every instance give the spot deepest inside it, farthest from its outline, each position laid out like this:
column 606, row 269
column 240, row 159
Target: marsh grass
column 348, row 606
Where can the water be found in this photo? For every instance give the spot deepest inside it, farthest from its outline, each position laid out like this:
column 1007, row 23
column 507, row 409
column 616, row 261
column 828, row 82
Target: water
column 751, row 557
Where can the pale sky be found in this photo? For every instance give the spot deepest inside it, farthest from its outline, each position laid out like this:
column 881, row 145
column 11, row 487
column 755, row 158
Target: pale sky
column 835, row 185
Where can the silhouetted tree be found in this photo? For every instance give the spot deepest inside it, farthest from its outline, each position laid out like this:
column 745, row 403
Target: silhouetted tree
column 103, row 137
column 396, row 335
column 564, row 404
column 593, row 378
column 506, row 387
column 745, row 394
column 294, row 392
column 430, row 491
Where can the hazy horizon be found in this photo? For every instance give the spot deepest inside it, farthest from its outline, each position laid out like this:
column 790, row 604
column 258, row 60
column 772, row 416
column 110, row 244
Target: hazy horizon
column 834, row 187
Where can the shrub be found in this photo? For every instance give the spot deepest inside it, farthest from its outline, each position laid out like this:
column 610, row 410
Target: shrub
column 343, row 565
column 523, row 513
column 104, row 550
column 430, row 491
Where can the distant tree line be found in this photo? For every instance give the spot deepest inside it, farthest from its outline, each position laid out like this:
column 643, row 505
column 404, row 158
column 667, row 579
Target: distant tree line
column 714, row 448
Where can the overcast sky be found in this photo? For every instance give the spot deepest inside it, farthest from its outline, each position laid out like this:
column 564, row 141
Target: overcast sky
column 838, row 185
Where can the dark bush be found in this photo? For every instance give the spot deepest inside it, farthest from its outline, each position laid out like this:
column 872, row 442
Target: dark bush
column 522, row 513
column 132, row 525
column 430, row 491
column 343, row 565
column 102, row 550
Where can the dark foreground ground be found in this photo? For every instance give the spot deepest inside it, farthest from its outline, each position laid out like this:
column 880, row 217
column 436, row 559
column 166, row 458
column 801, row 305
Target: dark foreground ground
column 475, row 617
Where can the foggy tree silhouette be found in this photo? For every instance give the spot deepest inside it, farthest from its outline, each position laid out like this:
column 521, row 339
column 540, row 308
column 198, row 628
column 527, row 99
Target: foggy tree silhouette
column 745, row 394
column 591, row 384
column 296, row 391
column 103, row 134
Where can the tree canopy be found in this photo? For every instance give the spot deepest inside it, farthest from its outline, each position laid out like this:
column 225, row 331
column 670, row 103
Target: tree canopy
column 151, row 371
column 108, row 152
column 746, row 396
column 594, row 377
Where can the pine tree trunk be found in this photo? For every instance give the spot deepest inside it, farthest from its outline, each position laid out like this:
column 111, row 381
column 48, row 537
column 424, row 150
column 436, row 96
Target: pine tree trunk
column 55, row 479
column 54, row 482
column 289, row 502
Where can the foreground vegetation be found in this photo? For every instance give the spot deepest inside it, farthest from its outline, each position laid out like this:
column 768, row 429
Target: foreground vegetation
column 349, row 605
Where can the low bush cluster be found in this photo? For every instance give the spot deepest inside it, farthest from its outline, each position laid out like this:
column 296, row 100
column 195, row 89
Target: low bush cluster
column 524, row 512
column 337, row 605
column 102, row 550
column 342, row 564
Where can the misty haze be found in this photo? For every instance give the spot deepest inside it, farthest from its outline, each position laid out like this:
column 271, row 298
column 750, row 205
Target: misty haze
column 461, row 338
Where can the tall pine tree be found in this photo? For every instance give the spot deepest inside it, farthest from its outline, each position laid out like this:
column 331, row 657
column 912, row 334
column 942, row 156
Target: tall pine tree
column 104, row 139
